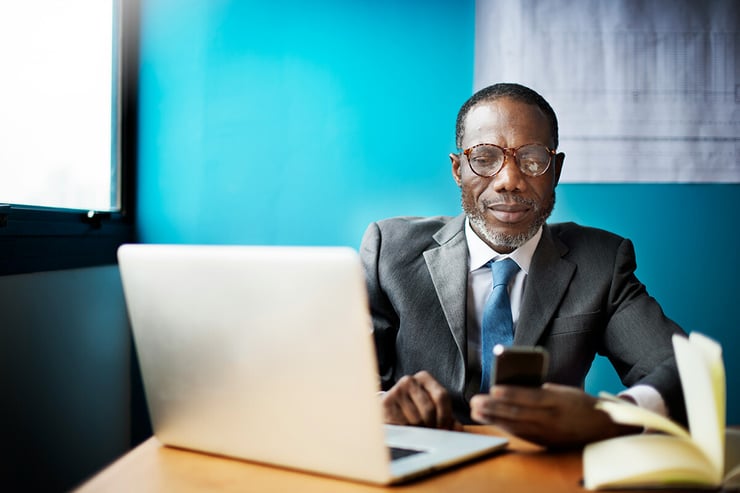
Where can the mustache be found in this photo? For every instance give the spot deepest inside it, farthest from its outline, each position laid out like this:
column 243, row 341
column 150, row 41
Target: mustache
column 507, row 198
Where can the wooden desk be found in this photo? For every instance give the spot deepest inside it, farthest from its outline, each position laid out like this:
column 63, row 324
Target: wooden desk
column 152, row 467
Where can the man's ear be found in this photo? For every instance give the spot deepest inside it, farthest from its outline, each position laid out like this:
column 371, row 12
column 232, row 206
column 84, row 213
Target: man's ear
column 455, row 160
column 557, row 168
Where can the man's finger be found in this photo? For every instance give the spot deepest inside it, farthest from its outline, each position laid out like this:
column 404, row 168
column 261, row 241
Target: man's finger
column 401, row 394
column 440, row 398
column 424, row 403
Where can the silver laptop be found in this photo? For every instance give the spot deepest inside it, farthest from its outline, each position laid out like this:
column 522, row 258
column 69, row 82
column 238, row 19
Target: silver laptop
column 266, row 354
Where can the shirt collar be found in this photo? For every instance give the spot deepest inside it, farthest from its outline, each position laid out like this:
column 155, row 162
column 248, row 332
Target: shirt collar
column 479, row 253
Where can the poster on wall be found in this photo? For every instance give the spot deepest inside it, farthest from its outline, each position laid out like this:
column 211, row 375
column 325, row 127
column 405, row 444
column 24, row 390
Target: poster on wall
column 645, row 90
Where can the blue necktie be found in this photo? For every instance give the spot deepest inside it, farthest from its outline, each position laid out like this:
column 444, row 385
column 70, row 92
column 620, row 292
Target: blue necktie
column 497, row 326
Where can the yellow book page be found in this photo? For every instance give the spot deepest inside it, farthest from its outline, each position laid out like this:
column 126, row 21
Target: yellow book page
column 627, row 413
column 699, row 361
column 712, row 353
column 646, row 460
column 732, row 458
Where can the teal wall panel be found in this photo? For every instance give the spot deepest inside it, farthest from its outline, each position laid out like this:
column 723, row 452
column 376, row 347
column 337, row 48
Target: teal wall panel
column 292, row 122
column 687, row 243
column 299, row 123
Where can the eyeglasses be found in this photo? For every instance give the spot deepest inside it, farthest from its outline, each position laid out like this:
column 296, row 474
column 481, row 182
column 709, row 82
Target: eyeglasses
column 487, row 159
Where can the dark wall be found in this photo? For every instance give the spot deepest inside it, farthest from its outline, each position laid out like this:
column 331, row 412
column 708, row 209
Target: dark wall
column 65, row 366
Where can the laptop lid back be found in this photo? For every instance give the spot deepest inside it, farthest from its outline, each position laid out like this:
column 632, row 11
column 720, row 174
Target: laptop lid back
column 261, row 353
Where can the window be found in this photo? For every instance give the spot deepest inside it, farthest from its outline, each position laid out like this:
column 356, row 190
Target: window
column 67, row 131
column 57, row 100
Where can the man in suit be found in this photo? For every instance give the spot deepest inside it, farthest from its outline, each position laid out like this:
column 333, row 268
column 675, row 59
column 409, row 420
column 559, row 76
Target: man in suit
column 574, row 291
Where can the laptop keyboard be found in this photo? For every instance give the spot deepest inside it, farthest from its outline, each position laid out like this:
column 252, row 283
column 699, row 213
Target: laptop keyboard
column 399, row 453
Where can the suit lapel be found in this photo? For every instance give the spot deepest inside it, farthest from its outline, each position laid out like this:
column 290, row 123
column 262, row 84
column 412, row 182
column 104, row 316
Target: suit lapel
column 548, row 279
column 448, row 266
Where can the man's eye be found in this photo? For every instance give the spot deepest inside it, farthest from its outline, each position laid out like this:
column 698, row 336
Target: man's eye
column 483, row 162
column 484, row 158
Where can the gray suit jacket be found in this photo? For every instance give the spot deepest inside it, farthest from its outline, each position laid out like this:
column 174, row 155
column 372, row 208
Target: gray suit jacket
column 581, row 298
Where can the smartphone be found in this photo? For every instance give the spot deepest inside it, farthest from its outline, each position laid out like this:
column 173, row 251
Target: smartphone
column 519, row 365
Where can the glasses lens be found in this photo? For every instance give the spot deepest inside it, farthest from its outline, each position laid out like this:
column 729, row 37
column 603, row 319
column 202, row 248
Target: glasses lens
column 533, row 159
column 486, row 159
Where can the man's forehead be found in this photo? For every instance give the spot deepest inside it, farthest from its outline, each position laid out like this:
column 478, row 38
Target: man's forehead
column 490, row 114
column 483, row 111
column 480, row 119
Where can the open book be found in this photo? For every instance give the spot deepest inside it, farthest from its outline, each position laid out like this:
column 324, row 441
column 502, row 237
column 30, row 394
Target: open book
column 668, row 455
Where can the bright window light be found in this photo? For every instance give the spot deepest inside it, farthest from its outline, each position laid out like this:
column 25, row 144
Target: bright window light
column 56, row 104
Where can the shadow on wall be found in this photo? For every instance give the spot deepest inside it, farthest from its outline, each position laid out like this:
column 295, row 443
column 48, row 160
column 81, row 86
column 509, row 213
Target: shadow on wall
column 65, row 365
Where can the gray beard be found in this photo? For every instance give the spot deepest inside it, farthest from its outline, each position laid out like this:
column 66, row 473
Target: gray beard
column 502, row 240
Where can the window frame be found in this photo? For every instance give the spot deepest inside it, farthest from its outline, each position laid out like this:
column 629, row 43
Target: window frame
column 35, row 239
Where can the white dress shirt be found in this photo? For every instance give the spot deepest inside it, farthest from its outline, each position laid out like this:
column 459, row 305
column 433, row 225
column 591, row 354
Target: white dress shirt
column 479, row 288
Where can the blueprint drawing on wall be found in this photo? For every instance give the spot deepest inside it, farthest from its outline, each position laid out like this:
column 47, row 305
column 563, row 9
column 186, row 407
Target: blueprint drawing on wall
column 644, row 90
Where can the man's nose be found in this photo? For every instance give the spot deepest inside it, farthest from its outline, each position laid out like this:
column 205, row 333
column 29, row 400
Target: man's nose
column 510, row 178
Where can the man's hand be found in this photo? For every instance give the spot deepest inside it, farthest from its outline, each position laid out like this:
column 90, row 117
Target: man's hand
column 551, row 415
column 419, row 400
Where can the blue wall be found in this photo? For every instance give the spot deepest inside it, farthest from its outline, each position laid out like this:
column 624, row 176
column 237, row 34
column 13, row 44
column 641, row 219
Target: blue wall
column 687, row 246
column 299, row 123
column 278, row 122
